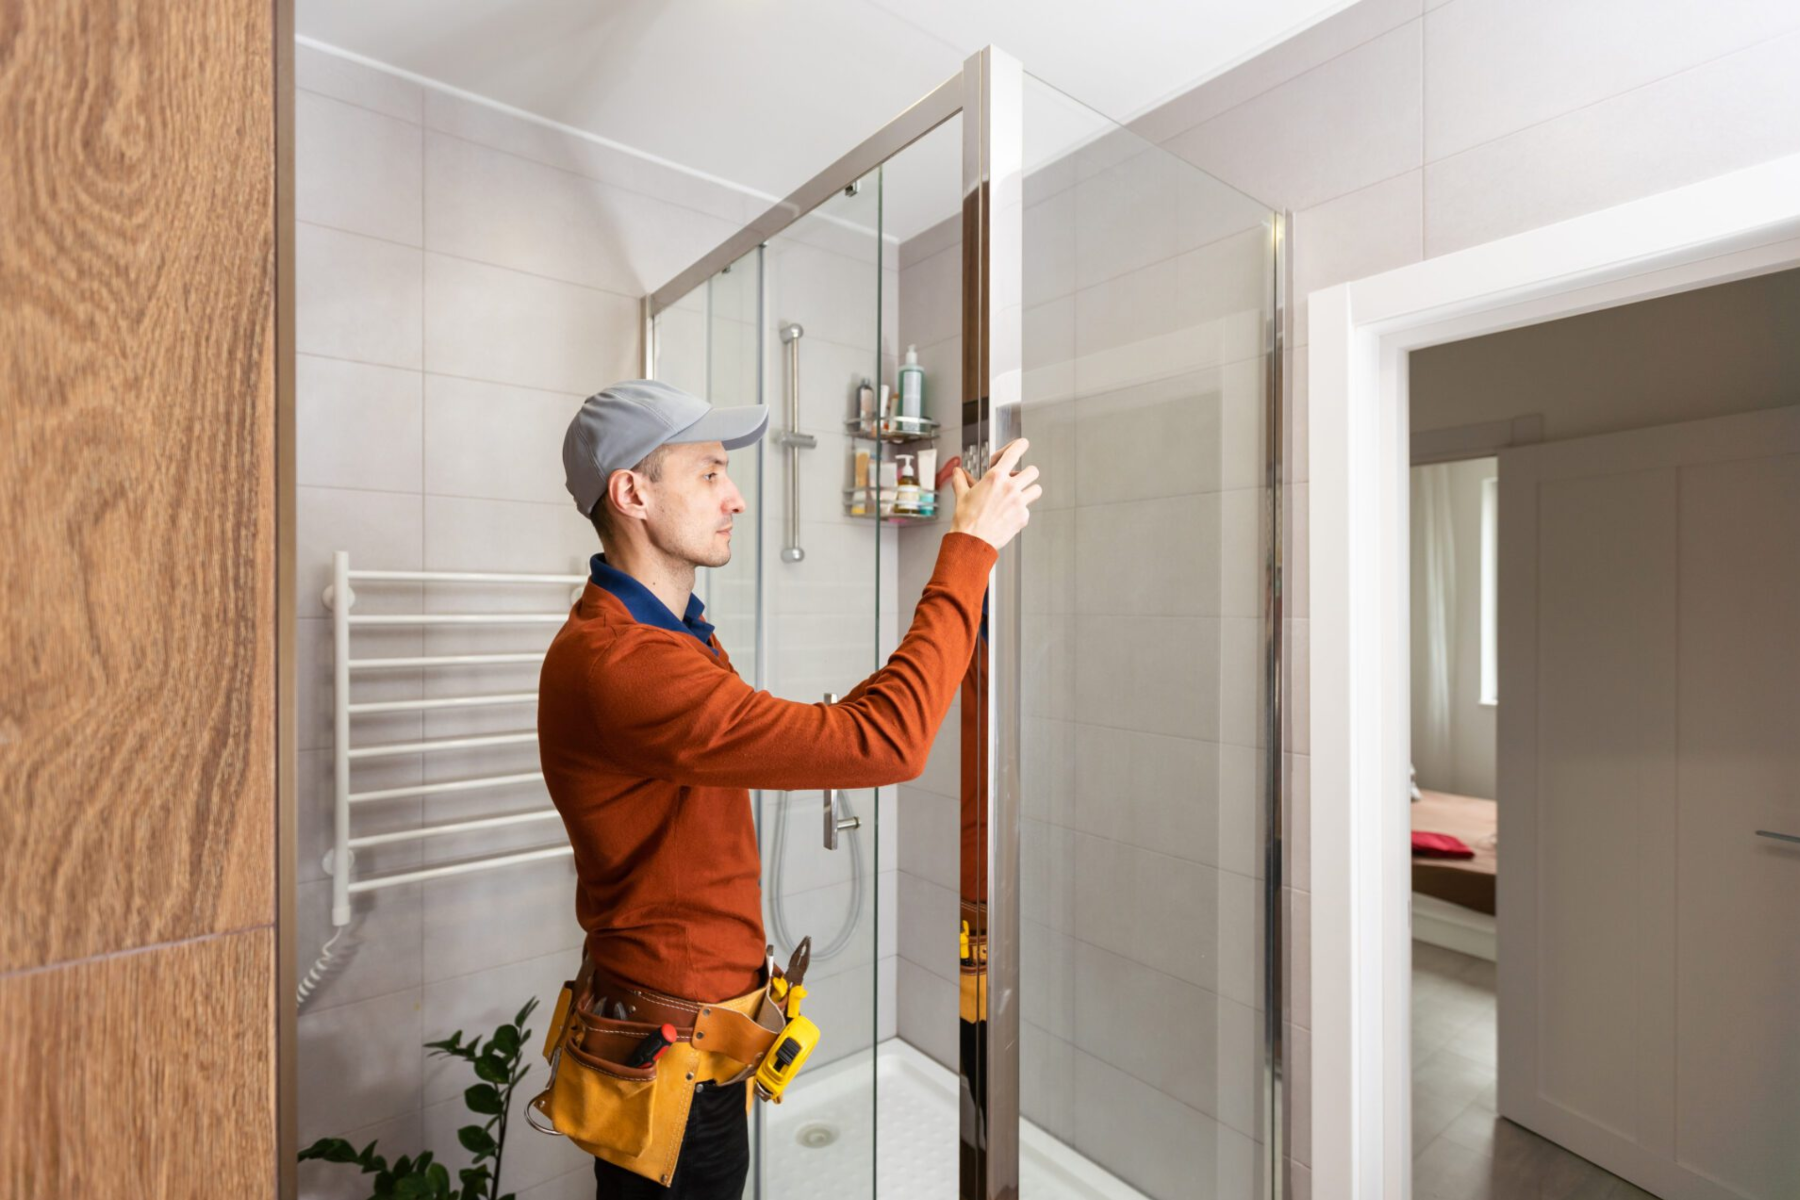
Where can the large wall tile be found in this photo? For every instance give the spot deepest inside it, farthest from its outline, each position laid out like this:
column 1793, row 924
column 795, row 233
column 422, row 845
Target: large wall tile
column 357, row 297
column 499, row 208
column 332, row 75
column 356, row 170
column 1343, row 125
column 376, row 957
column 1317, row 44
column 361, row 1063
column 505, row 915
column 357, row 426
column 380, row 529
column 485, row 322
column 928, row 1005
column 1153, row 791
column 496, row 442
column 1729, row 113
column 1154, row 1143
column 1374, row 229
column 489, row 126
column 1493, row 67
column 477, row 1002
column 468, row 534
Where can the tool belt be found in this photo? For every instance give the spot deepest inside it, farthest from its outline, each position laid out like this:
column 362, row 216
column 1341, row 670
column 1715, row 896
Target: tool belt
column 636, row 1117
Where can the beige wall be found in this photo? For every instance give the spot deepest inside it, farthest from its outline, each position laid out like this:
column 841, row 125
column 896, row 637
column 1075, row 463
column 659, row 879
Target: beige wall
column 1404, row 129
column 1686, row 357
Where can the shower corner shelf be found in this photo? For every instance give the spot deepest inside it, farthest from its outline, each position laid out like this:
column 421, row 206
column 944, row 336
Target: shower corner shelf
column 894, row 429
column 888, row 518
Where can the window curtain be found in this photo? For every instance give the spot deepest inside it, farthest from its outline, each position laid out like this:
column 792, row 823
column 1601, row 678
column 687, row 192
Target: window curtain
column 1431, row 511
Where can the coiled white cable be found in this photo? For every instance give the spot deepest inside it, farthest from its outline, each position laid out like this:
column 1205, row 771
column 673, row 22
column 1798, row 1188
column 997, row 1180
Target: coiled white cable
column 330, row 961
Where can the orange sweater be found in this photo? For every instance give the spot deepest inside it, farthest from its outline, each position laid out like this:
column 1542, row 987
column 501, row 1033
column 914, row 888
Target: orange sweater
column 650, row 742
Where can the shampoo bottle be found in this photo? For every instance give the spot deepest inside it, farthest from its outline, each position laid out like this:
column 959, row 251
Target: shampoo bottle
column 906, row 496
column 912, row 385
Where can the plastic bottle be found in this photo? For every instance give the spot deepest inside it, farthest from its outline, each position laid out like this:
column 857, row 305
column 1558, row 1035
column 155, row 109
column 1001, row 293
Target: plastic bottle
column 906, row 496
column 912, row 386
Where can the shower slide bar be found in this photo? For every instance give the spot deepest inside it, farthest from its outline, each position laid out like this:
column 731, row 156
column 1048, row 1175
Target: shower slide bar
column 340, row 861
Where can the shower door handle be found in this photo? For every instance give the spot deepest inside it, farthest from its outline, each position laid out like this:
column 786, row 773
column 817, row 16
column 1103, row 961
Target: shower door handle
column 833, row 823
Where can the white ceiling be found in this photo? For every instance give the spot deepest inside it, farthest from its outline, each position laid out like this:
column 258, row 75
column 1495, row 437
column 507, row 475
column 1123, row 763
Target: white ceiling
column 765, row 93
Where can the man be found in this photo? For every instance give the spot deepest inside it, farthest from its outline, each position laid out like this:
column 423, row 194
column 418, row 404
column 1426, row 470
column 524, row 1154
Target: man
column 650, row 743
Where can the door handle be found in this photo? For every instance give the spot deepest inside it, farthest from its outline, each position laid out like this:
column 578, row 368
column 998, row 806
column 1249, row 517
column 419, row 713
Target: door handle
column 1780, row 837
column 833, row 823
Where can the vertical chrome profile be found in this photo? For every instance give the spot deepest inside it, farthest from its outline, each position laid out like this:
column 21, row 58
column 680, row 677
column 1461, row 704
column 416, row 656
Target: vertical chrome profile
column 993, row 362
column 1274, row 928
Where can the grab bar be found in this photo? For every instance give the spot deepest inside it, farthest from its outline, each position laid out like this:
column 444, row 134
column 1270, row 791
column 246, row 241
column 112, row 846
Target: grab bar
column 795, row 441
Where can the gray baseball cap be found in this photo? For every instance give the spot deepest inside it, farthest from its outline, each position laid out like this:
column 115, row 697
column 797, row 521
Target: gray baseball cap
column 618, row 426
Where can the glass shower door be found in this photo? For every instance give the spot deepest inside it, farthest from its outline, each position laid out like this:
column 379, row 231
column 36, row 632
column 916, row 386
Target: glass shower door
column 824, row 332
column 1145, row 730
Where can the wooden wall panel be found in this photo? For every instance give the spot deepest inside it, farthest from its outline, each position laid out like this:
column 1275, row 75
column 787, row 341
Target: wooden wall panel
column 137, row 262
column 149, row 1075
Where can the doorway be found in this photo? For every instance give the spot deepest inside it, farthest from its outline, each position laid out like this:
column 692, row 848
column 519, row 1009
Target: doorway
column 1731, row 228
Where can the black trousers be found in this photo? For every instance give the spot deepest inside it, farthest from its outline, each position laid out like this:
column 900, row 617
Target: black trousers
column 715, row 1154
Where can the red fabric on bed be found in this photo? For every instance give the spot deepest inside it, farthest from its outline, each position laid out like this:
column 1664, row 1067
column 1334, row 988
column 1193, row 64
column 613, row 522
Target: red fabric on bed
column 1465, row 881
column 1440, row 845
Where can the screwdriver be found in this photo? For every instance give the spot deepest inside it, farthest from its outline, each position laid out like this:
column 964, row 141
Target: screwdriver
column 652, row 1047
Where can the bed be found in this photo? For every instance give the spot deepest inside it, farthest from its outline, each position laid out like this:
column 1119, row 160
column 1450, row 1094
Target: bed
column 1453, row 898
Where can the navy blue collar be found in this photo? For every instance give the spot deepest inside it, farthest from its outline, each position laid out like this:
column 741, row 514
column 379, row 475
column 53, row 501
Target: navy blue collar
column 643, row 605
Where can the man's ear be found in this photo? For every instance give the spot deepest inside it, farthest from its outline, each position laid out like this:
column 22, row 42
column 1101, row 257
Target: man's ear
column 623, row 487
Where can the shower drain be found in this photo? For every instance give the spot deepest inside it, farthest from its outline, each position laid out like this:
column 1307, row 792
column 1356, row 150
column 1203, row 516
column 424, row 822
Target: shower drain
column 817, row 1135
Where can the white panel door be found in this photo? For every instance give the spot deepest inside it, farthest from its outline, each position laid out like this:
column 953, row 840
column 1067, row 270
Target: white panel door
column 1649, row 951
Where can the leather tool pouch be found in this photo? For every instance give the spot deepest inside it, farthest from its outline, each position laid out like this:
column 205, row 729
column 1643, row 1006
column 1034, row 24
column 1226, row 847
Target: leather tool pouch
column 593, row 1098
column 635, row 1117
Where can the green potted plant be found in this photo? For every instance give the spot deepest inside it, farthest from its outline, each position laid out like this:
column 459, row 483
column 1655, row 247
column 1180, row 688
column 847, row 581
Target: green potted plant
column 496, row 1066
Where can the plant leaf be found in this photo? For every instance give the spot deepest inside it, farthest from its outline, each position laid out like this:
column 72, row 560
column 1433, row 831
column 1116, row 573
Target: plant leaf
column 439, row 1178
column 530, row 1007
column 474, row 1179
column 413, row 1187
column 475, row 1138
column 491, row 1068
column 506, row 1040
column 335, row 1150
column 482, row 1098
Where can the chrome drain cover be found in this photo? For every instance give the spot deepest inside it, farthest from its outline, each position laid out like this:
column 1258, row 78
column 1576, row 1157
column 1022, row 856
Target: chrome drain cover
column 817, row 1135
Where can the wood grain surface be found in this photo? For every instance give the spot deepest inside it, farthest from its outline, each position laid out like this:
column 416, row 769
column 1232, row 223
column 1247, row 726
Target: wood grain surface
column 147, row 1075
column 136, row 457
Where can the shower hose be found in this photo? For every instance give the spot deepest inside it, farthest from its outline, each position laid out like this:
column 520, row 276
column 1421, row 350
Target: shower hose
column 785, row 941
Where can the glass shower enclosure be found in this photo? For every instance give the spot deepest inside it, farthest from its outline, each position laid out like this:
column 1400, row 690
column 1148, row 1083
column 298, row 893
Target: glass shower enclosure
column 1049, row 966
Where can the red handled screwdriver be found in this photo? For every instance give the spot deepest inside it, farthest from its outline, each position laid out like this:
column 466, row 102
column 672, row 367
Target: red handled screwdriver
column 652, row 1047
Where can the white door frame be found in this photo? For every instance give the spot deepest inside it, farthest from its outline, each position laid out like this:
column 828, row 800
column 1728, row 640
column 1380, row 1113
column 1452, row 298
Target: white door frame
column 1732, row 227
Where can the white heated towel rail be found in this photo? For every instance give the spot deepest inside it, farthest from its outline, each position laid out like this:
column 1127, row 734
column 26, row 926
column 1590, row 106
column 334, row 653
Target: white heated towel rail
column 340, row 598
